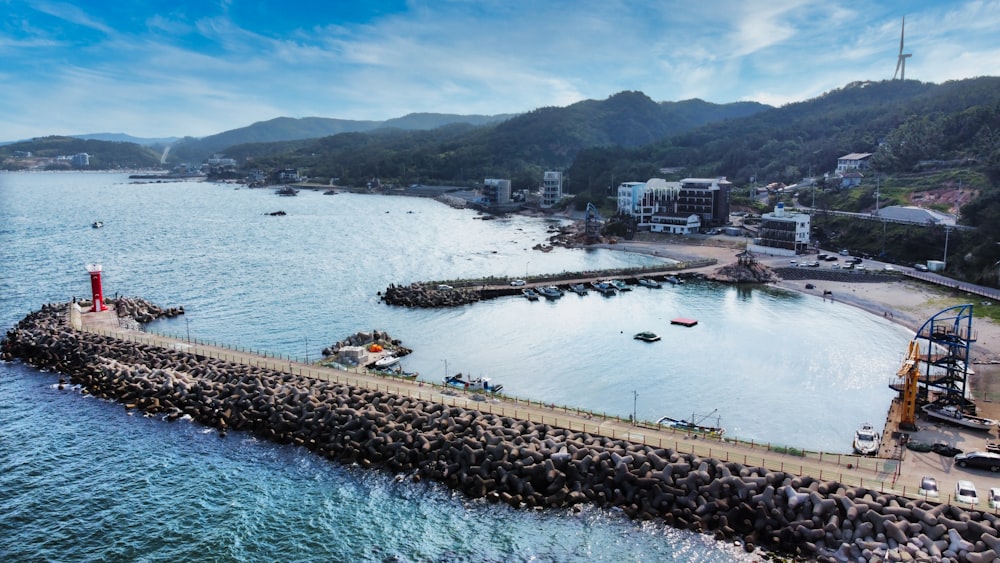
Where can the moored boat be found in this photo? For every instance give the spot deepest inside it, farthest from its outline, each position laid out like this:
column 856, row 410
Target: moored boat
column 604, row 288
column 954, row 415
column 473, row 384
column 578, row 288
column 550, row 292
column 620, row 285
column 530, row 294
column 650, row 283
column 866, row 440
column 386, row 361
column 688, row 426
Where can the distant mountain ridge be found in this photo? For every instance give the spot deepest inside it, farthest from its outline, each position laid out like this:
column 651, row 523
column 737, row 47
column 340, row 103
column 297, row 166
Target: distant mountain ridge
column 282, row 129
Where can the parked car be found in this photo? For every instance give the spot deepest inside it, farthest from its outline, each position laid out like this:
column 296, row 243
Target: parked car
column 929, row 487
column 965, row 491
column 517, row 283
column 995, row 497
column 845, row 252
column 859, row 266
column 979, row 460
column 920, row 267
column 443, row 287
column 888, row 268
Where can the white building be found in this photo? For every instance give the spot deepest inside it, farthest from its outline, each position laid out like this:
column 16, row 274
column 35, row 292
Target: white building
column 853, row 161
column 551, row 188
column 782, row 232
column 654, row 205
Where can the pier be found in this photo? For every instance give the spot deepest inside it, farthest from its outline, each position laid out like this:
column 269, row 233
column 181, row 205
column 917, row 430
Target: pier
column 507, row 449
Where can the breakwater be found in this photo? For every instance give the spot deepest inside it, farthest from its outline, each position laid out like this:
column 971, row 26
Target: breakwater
column 505, row 459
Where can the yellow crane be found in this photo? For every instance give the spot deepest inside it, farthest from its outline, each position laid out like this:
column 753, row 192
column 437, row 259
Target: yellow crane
column 910, row 373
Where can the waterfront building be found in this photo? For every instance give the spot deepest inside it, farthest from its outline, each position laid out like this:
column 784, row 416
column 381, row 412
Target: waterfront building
column 782, row 232
column 551, row 188
column 80, row 160
column 675, row 207
column 496, row 192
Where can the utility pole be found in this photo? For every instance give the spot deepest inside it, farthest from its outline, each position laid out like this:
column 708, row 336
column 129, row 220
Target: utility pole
column 635, row 398
column 945, row 259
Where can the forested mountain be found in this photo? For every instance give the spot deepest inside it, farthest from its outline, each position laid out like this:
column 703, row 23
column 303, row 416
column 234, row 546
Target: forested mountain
column 46, row 153
column 902, row 122
column 291, row 129
column 520, row 148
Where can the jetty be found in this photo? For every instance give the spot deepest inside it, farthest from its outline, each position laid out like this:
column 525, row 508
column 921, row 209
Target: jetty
column 506, row 449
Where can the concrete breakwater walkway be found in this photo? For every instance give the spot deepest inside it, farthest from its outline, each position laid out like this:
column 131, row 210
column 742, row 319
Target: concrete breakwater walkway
column 525, row 455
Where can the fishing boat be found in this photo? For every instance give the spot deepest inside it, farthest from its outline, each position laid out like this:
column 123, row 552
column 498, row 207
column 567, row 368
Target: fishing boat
column 620, row 285
column 530, row 294
column 97, row 224
column 397, row 371
column 550, row 292
column 606, row 289
column 646, row 282
column 954, row 415
column 688, row 426
column 578, row 288
column 866, row 440
column 647, row 336
column 473, row 384
column 673, row 279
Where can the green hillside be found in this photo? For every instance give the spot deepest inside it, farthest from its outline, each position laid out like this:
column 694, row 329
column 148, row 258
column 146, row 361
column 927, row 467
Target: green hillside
column 45, row 153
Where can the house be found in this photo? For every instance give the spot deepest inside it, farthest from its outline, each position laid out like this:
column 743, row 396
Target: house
column 289, row 175
column 854, row 161
column 850, row 179
column 782, row 232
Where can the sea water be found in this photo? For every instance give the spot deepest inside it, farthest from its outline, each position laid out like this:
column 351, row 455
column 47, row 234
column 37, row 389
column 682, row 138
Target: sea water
column 83, row 479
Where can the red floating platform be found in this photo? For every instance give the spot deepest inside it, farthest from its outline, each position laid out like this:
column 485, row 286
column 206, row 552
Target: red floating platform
column 684, row 321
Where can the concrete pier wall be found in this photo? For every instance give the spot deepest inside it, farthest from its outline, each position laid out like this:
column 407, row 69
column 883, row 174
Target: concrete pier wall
column 503, row 459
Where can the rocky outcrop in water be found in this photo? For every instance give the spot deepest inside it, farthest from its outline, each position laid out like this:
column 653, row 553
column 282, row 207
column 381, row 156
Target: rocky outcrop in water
column 419, row 295
column 503, row 459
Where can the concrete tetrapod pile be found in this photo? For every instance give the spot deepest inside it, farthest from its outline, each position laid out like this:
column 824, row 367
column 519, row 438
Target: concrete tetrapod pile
column 502, row 459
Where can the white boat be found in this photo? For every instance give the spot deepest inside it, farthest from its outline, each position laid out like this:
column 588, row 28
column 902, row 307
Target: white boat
column 97, row 224
column 866, row 440
column 530, row 294
column 386, row 361
column 954, row 415
column 578, row 288
column 646, row 282
column 605, row 288
column 473, row 384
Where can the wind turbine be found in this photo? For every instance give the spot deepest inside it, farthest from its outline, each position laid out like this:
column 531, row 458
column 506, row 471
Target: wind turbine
column 901, row 60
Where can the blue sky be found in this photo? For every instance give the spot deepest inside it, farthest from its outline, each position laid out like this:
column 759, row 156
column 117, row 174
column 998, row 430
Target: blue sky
column 197, row 67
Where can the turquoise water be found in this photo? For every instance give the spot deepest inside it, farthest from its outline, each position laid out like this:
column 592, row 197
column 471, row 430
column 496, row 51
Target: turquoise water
column 84, row 479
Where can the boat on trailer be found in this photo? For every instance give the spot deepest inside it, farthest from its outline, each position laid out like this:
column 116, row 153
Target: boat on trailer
column 954, row 415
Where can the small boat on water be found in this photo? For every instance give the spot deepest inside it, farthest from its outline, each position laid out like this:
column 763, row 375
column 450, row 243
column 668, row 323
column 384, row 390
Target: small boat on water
column 866, row 440
column 288, row 191
column 606, row 289
column 646, row 336
column 673, row 279
column 97, row 224
column 954, row 415
column 397, row 371
column 473, row 384
column 650, row 283
column 530, row 294
column 550, row 292
column 386, row 361
column 688, row 426
column 579, row 289
column 620, row 285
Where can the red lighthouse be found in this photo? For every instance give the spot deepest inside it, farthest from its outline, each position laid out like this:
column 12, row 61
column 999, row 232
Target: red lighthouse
column 95, row 288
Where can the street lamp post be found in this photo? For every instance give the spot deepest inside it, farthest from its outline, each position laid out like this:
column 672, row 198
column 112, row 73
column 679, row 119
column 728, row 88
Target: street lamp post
column 635, row 398
column 187, row 322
